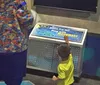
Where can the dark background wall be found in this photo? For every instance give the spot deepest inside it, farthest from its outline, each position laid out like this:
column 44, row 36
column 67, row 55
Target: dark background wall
column 86, row 5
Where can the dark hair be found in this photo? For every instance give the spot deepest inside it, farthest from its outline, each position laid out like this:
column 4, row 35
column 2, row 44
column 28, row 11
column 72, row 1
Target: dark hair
column 64, row 51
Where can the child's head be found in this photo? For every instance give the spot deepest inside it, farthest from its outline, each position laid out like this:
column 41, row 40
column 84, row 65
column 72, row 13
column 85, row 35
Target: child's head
column 64, row 51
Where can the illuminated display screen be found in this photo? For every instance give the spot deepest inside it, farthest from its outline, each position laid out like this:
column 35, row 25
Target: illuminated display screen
column 57, row 32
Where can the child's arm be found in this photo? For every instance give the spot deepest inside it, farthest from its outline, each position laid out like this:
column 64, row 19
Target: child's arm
column 55, row 78
column 66, row 39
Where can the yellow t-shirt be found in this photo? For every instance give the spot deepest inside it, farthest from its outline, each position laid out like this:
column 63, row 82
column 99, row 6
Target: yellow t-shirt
column 65, row 71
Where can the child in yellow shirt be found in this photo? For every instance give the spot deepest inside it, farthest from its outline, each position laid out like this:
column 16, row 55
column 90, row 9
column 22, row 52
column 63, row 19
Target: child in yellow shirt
column 66, row 66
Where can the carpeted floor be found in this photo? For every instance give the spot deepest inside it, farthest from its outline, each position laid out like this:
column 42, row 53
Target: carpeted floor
column 39, row 80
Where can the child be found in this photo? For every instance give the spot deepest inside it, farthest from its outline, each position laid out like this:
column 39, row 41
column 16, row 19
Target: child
column 66, row 66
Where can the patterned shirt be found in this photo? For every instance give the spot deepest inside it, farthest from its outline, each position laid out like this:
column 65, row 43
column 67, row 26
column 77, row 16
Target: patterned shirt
column 15, row 20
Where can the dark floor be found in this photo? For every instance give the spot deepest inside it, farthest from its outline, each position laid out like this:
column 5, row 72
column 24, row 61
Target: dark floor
column 38, row 80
